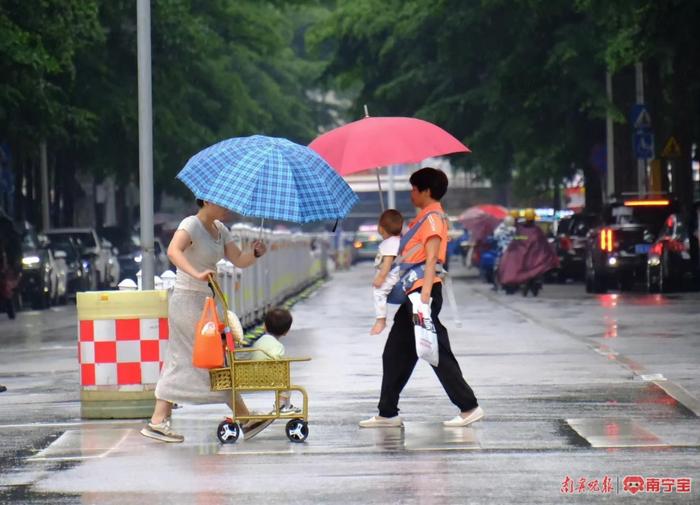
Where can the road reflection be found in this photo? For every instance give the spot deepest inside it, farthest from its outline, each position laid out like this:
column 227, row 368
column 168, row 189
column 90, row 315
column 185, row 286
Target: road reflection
column 612, row 300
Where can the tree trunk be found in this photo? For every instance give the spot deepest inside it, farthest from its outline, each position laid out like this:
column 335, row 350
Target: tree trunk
column 682, row 111
column 625, row 162
column 30, row 198
column 19, row 175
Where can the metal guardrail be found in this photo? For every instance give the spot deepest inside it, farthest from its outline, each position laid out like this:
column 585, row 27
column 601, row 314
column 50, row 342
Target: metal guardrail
column 293, row 262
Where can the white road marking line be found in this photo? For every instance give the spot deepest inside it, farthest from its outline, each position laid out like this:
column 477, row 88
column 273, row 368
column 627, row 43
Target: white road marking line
column 107, row 452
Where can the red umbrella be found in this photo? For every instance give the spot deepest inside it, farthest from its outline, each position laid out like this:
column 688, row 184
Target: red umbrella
column 375, row 142
column 481, row 220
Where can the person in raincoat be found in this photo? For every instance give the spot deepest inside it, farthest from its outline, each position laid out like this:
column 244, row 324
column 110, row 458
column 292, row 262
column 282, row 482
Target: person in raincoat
column 528, row 257
column 10, row 263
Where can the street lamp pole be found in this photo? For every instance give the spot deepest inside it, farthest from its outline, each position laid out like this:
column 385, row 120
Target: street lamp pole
column 610, row 140
column 143, row 28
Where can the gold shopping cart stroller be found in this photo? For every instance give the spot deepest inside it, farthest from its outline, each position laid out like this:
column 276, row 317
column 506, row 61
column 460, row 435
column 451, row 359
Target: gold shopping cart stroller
column 242, row 375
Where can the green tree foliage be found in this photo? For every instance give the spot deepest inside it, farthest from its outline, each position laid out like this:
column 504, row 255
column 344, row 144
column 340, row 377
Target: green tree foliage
column 521, row 81
column 221, row 68
column 663, row 36
column 39, row 41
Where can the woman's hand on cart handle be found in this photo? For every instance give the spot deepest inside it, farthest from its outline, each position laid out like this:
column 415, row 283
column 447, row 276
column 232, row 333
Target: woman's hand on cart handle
column 259, row 248
column 204, row 275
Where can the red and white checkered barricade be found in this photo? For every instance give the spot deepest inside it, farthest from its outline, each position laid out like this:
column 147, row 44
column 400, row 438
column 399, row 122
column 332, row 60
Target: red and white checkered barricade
column 122, row 341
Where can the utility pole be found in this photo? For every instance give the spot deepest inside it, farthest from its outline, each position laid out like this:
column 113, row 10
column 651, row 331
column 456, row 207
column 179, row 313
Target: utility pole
column 609, row 140
column 143, row 28
column 641, row 162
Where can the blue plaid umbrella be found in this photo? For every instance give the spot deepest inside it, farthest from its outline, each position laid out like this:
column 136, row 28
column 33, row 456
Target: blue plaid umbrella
column 270, row 178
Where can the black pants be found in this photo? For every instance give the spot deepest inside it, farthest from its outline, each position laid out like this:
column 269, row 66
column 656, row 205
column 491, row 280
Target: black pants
column 399, row 360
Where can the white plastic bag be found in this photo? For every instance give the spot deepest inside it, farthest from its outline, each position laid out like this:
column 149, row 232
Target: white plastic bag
column 426, row 337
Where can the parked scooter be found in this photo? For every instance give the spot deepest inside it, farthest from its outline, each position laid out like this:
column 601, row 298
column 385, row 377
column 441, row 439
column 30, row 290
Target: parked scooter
column 8, row 284
column 487, row 259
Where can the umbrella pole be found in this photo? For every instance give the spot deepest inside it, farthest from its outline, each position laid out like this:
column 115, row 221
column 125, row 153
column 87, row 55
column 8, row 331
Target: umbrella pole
column 262, row 223
column 381, row 193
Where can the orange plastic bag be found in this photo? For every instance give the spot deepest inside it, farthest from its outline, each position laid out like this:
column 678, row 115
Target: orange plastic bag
column 207, row 351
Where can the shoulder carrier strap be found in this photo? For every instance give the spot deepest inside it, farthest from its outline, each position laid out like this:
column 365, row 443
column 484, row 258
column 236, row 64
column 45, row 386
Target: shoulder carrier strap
column 409, row 235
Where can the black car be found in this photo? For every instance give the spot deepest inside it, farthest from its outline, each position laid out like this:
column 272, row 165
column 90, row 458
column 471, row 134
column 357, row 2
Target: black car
column 616, row 251
column 129, row 258
column 570, row 243
column 128, row 245
column 670, row 264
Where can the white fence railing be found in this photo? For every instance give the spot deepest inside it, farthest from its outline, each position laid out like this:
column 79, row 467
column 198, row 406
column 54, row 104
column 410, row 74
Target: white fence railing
column 293, row 262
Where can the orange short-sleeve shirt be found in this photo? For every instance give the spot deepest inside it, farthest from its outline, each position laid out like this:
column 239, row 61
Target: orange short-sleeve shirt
column 434, row 226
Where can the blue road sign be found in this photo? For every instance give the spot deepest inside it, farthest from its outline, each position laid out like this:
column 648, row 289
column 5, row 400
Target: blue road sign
column 643, row 144
column 640, row 118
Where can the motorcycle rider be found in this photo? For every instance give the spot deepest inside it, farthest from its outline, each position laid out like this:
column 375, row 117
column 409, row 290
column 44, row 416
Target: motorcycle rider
column 504, row 234
column 533, row 285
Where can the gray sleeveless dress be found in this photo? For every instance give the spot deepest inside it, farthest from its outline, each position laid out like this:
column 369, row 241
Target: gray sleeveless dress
column 180, row 382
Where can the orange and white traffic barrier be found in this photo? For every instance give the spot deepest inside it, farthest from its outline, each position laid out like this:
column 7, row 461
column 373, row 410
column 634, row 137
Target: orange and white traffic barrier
column 122, row 341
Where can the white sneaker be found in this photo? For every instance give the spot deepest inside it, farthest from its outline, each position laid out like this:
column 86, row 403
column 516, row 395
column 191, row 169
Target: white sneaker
column 459, row 421
column 382, row 422
column 162, row 431
column 289, row 409
column 253, row 427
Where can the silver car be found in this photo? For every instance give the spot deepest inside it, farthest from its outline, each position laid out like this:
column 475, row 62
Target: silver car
column 98, row 252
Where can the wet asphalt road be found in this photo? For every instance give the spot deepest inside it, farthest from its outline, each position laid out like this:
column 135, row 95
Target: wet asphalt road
column 584, row 387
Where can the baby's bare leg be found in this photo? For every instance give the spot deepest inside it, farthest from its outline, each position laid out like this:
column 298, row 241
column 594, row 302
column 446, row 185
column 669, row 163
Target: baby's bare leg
column 378, row 327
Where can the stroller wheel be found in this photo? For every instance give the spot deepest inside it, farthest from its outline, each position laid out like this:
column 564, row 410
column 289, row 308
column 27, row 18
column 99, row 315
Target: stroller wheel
column 228, row 432
column 297, row 430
